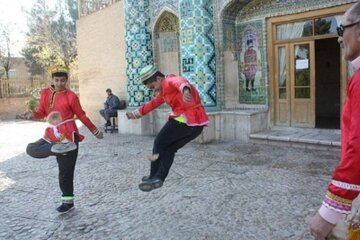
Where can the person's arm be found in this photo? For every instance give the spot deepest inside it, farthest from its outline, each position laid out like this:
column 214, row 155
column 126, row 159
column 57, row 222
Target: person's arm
column 187, row 97
column 183, row 86
column 320, row 228
column 345, row 184
column 80, row 113
column 146, row 107
column 39, row 112
column 106, row 104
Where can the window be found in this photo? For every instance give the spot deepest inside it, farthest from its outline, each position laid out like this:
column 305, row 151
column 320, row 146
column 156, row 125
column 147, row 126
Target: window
column 326, row 25
column 294, row 30
column 12, row 74
column 308, row 28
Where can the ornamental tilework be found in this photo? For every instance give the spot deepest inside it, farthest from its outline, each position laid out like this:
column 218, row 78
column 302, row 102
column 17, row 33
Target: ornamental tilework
column 198, row 48
column 138, row 48
column 243, row 12
column 158, row 5
column 197, row 40
column 258, row 8
column 250, row 57
column 272, row 8
column 229, row 35
column 168, row 22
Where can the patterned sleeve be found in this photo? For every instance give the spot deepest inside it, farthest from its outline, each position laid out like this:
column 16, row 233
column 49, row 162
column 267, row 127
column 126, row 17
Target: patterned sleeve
column 345, row 184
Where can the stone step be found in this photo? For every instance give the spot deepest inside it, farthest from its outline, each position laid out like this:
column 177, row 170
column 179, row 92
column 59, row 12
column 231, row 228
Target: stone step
column 309, row 138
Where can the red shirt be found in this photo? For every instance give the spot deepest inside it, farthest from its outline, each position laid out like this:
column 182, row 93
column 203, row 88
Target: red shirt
column 67, row 103
column 172, row 93
column 345, row 184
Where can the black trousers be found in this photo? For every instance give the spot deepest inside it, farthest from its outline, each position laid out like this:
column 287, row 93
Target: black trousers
column 173, row 136
column 108, row 113
column 66, row 163
column 251, row 81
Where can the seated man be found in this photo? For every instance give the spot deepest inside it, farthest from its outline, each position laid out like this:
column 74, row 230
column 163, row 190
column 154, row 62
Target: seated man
column 111, row 106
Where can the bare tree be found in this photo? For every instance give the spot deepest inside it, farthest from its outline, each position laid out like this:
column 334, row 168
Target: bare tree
column 5, row 49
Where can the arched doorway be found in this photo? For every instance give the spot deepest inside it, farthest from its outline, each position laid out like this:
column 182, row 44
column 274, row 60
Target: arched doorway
column 231, row 52
column 166, row 43
column 243, row 58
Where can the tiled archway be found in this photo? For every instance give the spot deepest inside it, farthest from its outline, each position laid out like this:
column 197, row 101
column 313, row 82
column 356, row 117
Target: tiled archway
column 166, row 43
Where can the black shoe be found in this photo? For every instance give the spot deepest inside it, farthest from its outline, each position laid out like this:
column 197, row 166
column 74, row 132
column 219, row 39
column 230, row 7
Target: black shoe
column 65, row 207
column 145, row 178
column 248, row 89
column 150, row 185
column 108, row 124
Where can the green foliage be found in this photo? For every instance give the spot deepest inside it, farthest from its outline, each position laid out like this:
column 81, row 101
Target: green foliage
column 322, row 26
column 302, row 77
column 302, row 83
column 31, row 104
column 52, row 36
column 34, row 99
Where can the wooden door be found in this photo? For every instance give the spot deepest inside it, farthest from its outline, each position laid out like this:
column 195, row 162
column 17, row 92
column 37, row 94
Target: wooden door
column 295, row 84
column 282, row 83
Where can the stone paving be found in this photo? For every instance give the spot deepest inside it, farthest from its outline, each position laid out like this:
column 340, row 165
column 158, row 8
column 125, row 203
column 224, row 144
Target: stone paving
column 220, row 190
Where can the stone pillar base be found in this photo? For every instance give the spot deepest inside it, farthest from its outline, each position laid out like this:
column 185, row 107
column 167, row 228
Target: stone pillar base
column 141, row 126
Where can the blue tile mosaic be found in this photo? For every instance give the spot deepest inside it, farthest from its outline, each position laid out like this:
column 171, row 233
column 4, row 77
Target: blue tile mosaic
column 197, row 38
column 138, row 48
column 158, row 5
column 198, row 47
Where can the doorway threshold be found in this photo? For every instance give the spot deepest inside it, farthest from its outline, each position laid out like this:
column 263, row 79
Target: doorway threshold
column 309, row 138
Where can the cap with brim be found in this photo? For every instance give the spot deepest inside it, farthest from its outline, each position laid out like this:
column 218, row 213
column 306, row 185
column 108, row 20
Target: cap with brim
column 59, row 69
column 147, row 72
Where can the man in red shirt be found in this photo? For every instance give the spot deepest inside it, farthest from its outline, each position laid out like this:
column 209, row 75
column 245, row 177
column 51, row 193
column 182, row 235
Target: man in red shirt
column 345, row 184
column 58, row 98
column 186, row 121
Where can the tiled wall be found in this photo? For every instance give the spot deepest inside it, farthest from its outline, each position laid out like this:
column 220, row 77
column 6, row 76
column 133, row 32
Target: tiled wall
column 156, row 6
column 139, row 48
column 264, row 8
column 197, row 54
column 251, row 62
column 202, row 30
column 197, row 47
column 235, row 16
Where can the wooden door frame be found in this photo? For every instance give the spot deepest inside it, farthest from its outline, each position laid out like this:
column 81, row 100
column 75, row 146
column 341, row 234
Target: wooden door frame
column 312, row 82
column 271, row 30
column 277, row 100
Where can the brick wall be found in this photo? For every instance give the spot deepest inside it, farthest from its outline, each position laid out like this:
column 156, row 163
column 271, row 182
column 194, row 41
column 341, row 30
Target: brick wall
column 10, row 107
column 18, row 64
column 102, row 64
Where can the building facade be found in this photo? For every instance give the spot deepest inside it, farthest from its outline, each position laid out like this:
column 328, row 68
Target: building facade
column 256, row 64
column 18, row 69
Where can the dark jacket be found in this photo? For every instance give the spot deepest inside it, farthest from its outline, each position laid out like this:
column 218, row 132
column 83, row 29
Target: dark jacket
column 112, row 102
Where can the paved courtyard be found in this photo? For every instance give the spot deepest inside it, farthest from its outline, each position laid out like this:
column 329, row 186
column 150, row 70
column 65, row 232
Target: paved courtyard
column 221, row 190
